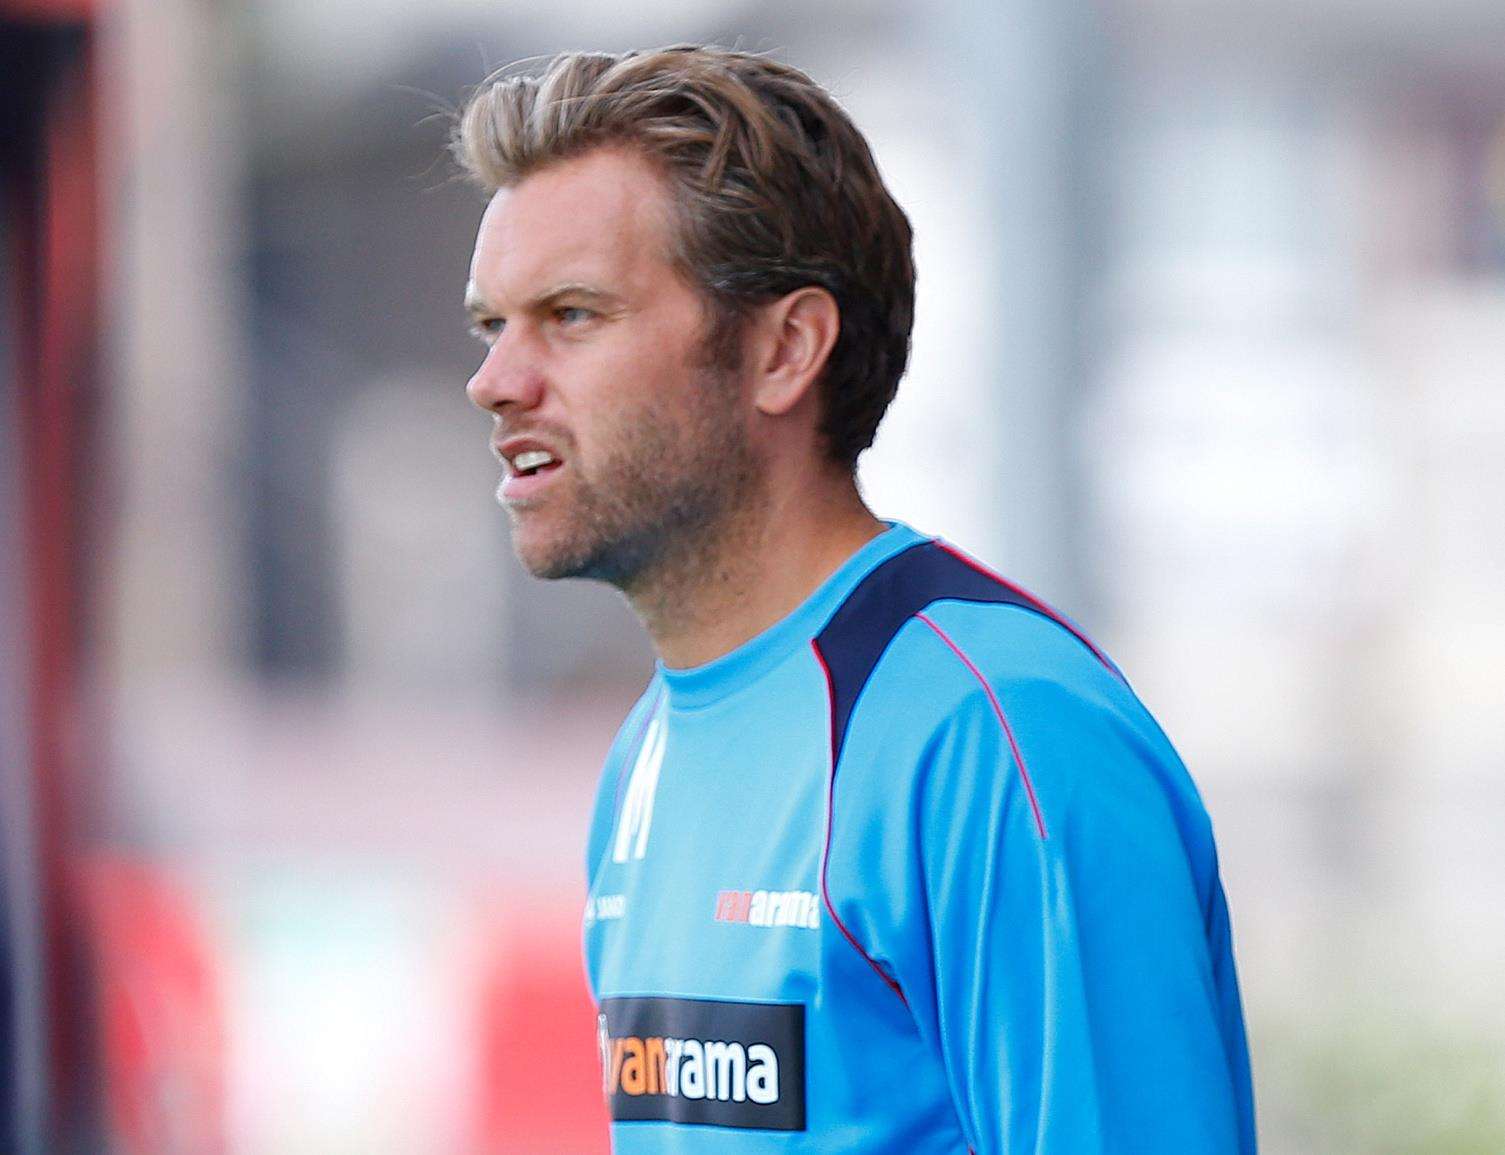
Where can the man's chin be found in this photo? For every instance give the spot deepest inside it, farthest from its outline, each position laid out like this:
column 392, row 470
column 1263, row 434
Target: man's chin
column 545, row 560
column 549, row 556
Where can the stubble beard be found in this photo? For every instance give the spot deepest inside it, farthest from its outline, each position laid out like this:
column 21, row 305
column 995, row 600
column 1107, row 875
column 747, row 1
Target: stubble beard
column 662, row 506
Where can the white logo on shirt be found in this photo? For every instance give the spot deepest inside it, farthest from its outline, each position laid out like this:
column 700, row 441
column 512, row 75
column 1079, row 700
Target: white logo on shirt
column 637, row 808
column 605, row 908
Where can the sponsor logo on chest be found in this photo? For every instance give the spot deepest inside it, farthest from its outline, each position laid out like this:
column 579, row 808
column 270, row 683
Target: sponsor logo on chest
column 722, row 1064
column 798, row 908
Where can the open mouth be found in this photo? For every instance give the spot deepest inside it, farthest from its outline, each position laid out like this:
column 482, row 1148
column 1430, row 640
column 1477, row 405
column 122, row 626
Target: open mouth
column 532, row 462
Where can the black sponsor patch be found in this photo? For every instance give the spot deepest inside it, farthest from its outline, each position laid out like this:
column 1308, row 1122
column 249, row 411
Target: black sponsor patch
column 701, row 1061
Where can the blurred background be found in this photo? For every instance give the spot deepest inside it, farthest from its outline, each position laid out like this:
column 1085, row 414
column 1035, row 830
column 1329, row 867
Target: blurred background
column 296, row 761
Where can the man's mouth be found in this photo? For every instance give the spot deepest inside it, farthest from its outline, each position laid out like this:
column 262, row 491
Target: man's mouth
column 531, row 462
column 531, row 469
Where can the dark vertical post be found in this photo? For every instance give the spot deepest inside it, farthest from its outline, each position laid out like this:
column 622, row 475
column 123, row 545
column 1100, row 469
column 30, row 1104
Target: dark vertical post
column 50, row 188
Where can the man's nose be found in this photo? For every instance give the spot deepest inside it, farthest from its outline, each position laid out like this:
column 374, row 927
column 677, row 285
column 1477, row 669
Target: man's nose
column 508, row 375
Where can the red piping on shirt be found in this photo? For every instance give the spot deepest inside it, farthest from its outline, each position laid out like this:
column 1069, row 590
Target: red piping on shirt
column 1039, row 605
column 825, row 854
column 1029, row 787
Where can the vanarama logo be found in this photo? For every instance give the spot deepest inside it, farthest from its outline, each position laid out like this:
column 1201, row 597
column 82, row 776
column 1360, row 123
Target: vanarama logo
column 727, row 1064
column 769, row 907
column 694, row 1068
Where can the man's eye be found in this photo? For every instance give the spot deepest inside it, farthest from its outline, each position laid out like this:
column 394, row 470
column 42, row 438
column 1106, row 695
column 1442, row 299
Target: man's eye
column 572, row 314
column 487, row 329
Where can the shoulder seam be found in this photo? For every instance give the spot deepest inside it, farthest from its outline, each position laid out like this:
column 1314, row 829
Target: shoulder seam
column 1040, row 606
column 1008, row 731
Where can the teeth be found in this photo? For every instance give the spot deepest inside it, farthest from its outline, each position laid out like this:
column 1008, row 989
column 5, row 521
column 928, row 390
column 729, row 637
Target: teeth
column 531, row 459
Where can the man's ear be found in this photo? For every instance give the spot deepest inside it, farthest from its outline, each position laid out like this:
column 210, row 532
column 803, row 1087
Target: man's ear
column 793, row 340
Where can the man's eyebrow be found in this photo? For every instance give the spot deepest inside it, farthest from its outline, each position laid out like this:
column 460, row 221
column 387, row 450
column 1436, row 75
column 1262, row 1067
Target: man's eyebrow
column 476, row 305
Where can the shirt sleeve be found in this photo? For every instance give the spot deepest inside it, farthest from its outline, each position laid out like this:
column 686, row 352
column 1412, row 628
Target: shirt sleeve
column 1066, row 976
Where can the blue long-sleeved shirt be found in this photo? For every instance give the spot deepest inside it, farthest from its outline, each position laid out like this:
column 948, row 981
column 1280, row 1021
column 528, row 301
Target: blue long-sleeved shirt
column 911, row 871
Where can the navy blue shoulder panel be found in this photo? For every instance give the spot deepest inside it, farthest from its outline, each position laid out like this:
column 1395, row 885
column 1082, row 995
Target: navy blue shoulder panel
column 854, row 639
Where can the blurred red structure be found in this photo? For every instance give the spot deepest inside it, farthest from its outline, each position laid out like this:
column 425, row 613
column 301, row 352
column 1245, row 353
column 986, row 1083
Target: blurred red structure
column 161, row 1013
column 539, row 1084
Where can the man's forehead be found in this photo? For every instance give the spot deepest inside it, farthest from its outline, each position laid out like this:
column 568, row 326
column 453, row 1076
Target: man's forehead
column 602, row 217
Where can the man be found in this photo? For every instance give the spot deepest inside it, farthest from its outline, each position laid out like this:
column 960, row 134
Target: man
column 888, row 857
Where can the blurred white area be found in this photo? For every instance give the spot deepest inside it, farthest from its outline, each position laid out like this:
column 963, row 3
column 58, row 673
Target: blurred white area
column 408, row 540
column 352, row 1038
column 1210, row 349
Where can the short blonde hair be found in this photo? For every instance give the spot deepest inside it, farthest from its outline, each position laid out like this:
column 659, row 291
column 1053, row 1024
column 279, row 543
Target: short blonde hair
column 774, row 187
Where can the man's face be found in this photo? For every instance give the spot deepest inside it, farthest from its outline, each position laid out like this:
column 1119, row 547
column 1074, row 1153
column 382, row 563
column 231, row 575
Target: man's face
column 620, row 443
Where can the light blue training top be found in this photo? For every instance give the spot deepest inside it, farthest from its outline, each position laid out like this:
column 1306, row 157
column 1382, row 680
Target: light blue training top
column 911, row 871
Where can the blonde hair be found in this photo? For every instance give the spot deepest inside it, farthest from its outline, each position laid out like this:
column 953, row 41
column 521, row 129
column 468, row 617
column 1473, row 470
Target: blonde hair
column 774, row 190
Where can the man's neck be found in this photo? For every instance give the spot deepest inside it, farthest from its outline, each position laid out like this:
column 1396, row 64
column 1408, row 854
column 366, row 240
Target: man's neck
column 757, row 572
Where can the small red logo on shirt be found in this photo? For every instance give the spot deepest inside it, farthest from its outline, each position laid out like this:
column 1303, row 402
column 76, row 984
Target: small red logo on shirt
column 768, row 907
